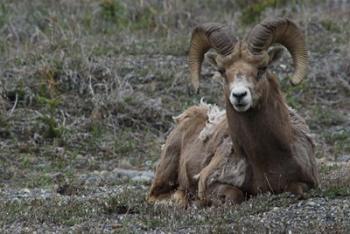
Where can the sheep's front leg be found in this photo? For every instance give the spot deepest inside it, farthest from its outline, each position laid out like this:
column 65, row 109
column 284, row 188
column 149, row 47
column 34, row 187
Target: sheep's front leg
column 211, row 192
column 165, row 180
column 203, row 176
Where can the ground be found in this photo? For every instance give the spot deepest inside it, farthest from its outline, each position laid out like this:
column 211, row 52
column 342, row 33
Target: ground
column 87, row 94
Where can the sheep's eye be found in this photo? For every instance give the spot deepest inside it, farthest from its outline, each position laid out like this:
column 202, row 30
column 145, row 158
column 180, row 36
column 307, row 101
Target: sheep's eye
column 261, row 72
column 222, row 71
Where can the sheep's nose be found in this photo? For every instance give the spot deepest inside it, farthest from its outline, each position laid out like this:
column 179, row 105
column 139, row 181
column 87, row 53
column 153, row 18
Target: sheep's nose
column 239, row 96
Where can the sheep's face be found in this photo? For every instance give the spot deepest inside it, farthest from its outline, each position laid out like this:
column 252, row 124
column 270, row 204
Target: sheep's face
column 245, row 78
column 242, row 85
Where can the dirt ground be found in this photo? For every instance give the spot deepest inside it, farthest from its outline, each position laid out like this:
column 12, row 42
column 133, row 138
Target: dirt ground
column 88, row 89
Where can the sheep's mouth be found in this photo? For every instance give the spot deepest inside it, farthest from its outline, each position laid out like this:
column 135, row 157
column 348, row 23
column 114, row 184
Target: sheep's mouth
column 241, row 107
column 241, row 104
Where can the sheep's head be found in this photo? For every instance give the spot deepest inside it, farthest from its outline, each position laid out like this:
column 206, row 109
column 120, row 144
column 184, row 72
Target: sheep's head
column 243, row 64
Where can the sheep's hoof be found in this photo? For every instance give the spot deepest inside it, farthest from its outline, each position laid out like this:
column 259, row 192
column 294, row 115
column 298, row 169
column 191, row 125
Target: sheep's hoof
column 151, row 199
column 227, row 194
column 202, row 203
column 164, row 198
column 298, row 189
column 232, row 195
column 180, row 198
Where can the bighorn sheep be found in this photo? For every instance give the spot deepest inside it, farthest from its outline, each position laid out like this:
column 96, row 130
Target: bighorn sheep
column 268, row 148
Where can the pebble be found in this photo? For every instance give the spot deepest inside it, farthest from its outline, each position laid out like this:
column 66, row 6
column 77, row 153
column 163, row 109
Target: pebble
column 116, row 225
column 311, row 203
column 343, row 158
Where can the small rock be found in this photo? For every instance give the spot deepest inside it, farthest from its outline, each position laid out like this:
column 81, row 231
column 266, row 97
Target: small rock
column 104, row 173
column 142, row 178
column 92, row 181
column 311, row 203
column 59, row 151
column 283, row 66
column 116, row 225
column 343, row 158
column 25, row 190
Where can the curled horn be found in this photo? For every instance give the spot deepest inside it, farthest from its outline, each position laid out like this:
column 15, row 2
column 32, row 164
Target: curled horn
column 286, row 33
column 204, row 37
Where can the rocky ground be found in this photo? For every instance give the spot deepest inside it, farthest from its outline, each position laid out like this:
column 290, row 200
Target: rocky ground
column 87, row 94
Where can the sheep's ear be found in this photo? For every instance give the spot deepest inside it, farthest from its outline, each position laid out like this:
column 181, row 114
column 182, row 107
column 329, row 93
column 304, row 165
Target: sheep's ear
column 211, row 58
column 214, row 59
column 275, row 54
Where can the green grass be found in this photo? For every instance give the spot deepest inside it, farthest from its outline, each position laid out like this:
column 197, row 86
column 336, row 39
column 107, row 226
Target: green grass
column 324, row 116
column 293, row 94
column 330, row 26
column 251, row 12
column 336, row 191
column 340, row 141
column 67, row 212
